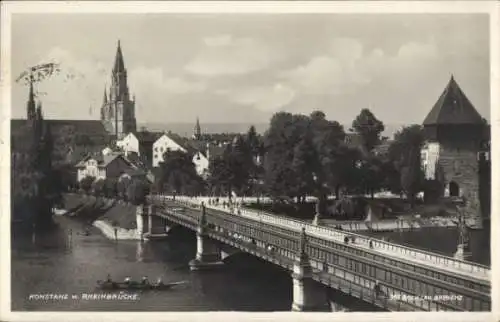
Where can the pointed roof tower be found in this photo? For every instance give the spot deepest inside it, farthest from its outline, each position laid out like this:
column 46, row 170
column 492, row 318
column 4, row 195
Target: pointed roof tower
column 453, row 108
column 119, row 64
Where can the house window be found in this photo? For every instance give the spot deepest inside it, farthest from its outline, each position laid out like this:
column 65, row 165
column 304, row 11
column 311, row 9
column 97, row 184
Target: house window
column 156, row 149
column 156, row 156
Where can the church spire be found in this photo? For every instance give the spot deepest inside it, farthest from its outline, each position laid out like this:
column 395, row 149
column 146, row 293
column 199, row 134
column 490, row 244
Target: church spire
column 197, row 129
column 119, row 64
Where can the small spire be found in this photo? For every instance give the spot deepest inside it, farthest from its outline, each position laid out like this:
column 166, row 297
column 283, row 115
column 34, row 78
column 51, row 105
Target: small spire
column 105, row 98
column 197, row 129
column 119, row 64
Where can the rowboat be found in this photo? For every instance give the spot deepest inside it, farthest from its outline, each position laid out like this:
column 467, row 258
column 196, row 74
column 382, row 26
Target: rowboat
column 105, row 285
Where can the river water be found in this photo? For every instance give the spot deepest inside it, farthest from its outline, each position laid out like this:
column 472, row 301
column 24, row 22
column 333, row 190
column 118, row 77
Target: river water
column 441, row 240
column 57, row 264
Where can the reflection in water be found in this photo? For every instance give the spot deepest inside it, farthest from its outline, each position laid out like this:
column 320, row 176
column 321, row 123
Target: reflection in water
column 140, row 251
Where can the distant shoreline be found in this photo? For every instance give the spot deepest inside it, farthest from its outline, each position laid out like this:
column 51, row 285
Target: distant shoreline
column 186, row 128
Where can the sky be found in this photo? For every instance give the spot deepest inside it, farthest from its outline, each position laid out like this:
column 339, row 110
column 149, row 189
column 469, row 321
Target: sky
column 244, row 68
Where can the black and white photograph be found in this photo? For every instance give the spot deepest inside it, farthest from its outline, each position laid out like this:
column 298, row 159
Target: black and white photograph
column 167, row 158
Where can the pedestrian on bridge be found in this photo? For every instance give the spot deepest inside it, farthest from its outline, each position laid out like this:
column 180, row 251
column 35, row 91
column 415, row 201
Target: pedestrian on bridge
column 346, row 240
column 371, row 244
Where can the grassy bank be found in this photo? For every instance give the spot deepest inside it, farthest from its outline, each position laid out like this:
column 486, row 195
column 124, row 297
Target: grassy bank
column 90, row 208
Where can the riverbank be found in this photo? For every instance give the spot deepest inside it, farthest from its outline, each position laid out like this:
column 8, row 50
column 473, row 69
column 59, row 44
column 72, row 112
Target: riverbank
column 105, row 214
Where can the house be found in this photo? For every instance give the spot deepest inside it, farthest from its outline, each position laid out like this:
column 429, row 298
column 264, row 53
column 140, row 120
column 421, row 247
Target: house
column 140, row 143
column 174, row 142
column 129, row 143
column 111, row 165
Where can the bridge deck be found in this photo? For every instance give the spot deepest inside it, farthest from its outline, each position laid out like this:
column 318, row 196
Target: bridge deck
column 415, row 256
column 359, row 279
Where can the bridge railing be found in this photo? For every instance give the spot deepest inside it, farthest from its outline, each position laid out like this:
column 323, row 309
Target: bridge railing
column 379, row 244
column 340, row 235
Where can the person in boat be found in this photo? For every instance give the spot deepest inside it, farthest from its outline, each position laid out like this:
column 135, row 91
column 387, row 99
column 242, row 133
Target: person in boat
column 159, row 282
column 127, row 280
column 108, row 279
column 145, row 280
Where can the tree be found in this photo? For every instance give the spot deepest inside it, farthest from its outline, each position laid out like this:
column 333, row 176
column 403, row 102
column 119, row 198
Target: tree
column 86, row 183
column 301, row 152
column 371, row 174
column 122, row 186
column 98, row 187
column 412, row 176
column 233, row 169
column 137, row 191
column 253, row 141
column 304, row 165
column 284, row 133
column 406, row 139
column 344, row 171
column 110, row 187
column 369, row 128
column 178, row 173
column 404, row 153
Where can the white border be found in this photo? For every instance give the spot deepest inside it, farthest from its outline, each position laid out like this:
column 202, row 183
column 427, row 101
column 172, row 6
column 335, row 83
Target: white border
column 285, row 7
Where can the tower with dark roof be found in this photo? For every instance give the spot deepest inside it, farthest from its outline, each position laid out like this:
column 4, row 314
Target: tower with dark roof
column 454, row 133
column 118, row 110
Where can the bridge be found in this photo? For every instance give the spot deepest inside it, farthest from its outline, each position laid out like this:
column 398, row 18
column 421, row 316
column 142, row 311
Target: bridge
column 389, row 276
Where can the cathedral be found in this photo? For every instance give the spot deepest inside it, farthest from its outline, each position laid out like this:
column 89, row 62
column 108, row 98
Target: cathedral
column 118, row 109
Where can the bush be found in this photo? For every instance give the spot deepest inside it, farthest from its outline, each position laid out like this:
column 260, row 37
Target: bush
column 137, row 192
column 122, row 186
column 86, row 183
column 110, row 187
column 98, row 187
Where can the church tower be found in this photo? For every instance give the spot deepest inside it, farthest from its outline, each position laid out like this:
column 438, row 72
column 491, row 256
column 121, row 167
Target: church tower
column 118, row 110
column 454, row 132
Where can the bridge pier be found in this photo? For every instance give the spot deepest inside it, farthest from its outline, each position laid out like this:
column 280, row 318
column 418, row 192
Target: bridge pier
column 306, row 295
column 156, row 226
column 150, row 219
column 207, row 254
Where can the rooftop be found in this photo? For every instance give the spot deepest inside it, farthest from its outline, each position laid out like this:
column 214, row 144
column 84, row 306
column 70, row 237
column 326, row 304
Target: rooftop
column 453, row 108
